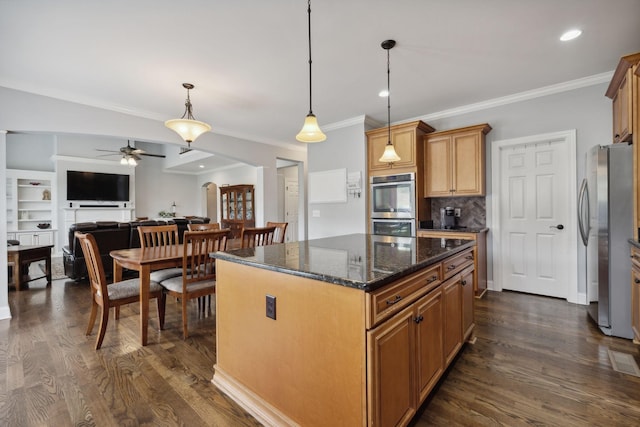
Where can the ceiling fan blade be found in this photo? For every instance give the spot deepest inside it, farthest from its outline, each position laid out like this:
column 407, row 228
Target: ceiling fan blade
column 152, row 155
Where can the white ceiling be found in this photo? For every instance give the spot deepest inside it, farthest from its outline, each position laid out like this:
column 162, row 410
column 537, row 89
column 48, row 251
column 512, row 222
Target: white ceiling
column 248, row 58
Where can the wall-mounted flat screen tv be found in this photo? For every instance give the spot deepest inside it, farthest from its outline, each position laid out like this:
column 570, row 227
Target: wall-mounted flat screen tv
column 108, row 187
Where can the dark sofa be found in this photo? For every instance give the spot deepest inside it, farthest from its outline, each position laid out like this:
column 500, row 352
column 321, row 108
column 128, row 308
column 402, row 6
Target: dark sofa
column 111, row 235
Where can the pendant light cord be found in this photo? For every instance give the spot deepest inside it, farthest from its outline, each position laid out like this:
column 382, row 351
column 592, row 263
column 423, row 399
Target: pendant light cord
column 388, row 98
column 309, row 15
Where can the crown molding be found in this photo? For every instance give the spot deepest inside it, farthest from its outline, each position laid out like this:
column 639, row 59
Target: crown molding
column 520, row 97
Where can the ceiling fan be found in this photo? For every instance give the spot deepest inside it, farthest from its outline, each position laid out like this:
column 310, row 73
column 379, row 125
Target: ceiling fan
column 130, row 155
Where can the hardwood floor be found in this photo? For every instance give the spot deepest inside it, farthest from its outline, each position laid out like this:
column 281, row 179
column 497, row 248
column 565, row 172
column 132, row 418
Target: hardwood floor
column 50, row 373
column 537, row 361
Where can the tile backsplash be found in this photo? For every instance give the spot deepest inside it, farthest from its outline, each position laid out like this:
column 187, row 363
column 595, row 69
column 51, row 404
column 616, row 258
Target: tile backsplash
column 473, row 210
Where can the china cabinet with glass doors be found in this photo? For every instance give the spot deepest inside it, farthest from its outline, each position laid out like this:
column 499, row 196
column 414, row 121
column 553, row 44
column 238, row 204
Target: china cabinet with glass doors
column 237, row 208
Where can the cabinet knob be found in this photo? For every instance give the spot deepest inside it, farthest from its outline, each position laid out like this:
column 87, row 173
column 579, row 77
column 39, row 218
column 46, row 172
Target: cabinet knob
column 464, row 283
column 637, row 280
column 418, row 319
column 451, row 267
column 432, row 279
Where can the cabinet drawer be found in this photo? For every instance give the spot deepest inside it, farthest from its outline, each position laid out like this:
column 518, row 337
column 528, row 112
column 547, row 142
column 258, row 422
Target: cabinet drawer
column 389, row 300
column 635, row 257
column 455, row 264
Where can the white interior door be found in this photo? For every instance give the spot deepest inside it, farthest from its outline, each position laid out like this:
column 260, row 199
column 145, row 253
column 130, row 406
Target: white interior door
column 536, row 230
column 291, row 210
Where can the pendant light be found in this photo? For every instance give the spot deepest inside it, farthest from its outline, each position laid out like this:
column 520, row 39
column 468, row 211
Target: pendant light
column 389, row 156
column 188, row 128
column 310, row 130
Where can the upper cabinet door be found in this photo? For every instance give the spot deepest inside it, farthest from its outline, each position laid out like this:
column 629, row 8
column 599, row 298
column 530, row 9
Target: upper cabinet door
column 437, row 166
column 625, row 104
column 405, row 141
column 622, row 110
column 454, row 162
column 468, row 164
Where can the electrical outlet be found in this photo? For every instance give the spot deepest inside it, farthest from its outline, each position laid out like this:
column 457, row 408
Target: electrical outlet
column 456, row 212
column 271, row 307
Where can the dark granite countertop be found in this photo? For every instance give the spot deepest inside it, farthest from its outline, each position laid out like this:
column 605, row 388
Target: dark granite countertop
column 457, row 230
column 361, row 261
column 635, row 243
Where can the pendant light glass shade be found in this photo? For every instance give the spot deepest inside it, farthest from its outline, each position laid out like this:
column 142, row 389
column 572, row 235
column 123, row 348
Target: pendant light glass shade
column 187, row 126
column 188, row 130
column 310, row 131
column 389, row 156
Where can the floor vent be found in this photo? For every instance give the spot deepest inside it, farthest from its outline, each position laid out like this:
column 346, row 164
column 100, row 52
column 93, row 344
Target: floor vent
column 624, row 362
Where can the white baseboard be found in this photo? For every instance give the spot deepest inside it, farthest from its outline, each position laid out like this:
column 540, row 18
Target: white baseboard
column 5, row 313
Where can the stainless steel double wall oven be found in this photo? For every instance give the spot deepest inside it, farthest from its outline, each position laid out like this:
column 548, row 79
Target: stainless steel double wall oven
column 393, row 204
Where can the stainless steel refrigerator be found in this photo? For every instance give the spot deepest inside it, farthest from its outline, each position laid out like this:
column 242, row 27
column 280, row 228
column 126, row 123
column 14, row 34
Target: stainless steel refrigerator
column 605, row 218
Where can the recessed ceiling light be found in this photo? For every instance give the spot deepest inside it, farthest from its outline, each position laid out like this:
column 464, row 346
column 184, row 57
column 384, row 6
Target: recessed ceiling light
column 201, row 166
column 570, row 35
column 383, row 93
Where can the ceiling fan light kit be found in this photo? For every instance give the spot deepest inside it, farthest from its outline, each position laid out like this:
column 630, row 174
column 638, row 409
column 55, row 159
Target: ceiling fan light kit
column 389, row 156
column 128, row 160
column 310, row 131
column 187, row 126
column 130, row 155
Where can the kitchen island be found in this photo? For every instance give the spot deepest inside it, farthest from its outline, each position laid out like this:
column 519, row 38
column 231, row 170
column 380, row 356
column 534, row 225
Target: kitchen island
column 347, row 330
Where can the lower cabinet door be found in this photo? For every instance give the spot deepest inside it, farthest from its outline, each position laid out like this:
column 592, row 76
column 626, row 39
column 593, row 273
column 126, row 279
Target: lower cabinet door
column 452, row 303
column 391, row 366
column 468, row 299
column 429, row 341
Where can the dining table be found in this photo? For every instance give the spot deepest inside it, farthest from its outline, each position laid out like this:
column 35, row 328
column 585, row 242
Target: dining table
column 144, row 261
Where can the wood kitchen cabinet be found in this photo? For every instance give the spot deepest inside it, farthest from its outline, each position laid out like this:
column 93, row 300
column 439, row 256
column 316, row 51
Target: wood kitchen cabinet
column 422, row 338
column 635, row 293
column 411, row 342
column 406, row 139
column 364, row 357
column 237, row 208
column 454, row 162
column 392, row 359
column 623, row 92
column 479, row 253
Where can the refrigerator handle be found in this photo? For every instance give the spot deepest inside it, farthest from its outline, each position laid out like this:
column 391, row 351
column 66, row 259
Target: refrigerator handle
column 582, row 198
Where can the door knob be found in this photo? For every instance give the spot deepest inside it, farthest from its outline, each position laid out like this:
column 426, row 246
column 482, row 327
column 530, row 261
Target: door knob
column 559, row 226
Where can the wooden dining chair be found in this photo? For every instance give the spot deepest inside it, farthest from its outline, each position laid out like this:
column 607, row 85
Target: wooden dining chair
column 257, row 236
column 160, row 235
column 198, row 277
column 203, row 227
column 281, row 229
column 105, row 295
